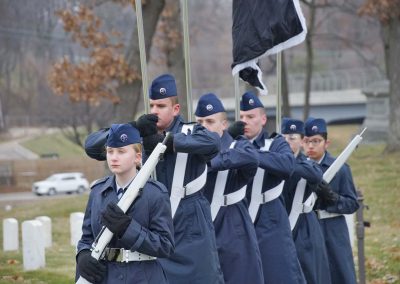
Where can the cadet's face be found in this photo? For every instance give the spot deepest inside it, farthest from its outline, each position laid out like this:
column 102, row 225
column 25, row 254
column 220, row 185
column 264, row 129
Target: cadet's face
column 255, row 120
column 165, row 111
column 315, row 146
column 215, row 122
column 123, row 161
column 295, row 141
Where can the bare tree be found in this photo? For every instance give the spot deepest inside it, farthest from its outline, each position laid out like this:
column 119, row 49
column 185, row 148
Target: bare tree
column 130, row 94
column 388, row 13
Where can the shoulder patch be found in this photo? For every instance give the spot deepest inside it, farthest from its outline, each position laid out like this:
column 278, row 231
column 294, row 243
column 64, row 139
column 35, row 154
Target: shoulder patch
column 158, row 184
column 98, row 181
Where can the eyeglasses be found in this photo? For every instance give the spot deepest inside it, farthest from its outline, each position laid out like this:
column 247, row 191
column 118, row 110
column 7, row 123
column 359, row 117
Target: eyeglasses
column 314, row 142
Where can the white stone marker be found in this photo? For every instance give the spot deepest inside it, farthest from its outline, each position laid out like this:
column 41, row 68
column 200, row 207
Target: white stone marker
column 351, row 226
column 33, row 245
column 76, row 220
column 10, row 234
column 46, row 222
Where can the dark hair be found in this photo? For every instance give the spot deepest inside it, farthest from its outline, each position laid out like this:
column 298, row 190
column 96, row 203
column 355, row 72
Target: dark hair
column 324, row 135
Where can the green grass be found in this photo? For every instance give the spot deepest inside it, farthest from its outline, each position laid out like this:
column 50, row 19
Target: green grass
column 55, row 143
column 376, row 174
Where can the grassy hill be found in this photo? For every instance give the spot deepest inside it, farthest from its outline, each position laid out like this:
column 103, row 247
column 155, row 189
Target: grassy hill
column 54, row 143
column 376, row 174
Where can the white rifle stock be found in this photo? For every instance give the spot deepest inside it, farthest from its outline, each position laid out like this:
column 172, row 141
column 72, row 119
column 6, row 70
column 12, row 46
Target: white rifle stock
column 127, row 199
column 342, row 158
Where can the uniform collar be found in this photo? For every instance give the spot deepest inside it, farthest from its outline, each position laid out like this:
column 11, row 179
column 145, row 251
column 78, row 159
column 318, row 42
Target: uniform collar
column 226, row 140
column 327, row 160
column 109, row 184
column 260, row 139
column 174, row 127
column 301, row 157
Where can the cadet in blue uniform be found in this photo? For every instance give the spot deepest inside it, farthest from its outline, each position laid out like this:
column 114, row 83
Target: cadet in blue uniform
column 229, row 173
column 196, row 258
column 184, row 172
column 341, row 199
column 300, row 199
column 276, row 163
column 142, row 235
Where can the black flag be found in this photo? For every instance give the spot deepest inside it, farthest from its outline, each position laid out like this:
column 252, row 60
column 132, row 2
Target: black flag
column 260, row 28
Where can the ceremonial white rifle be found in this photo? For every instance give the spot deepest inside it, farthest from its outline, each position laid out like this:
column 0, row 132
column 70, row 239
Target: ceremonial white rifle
column 105, row 235
column 342, row 158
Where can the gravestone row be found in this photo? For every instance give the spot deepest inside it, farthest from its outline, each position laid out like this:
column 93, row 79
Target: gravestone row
column 36, row 237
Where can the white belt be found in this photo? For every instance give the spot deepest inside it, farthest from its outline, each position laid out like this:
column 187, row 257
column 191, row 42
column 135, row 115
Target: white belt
column 323, row 214
column 227, row 199
column 308, row 205
column 264, row 197
column 298, row 207
column 124, row 255
column 272, row 193
column 192, row 187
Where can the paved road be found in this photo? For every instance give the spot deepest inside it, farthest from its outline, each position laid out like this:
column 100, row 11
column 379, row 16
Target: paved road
column 26, row 196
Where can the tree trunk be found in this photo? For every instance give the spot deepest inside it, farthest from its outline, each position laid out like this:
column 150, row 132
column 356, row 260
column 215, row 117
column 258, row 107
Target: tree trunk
column 285, row 89
column 2, row 125
column 394, row 89
column 309, row 61
column 175, row 56
column 130, row 94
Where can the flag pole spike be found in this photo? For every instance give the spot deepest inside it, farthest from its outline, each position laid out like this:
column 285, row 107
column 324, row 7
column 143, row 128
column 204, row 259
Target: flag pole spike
column 278, row 114
column 186, row 48
column 237, row 96
column 142, row 51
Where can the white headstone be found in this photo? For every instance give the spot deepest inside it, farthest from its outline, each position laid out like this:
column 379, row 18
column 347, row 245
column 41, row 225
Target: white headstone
column 351, row 227
column 33, row 245
column 10, row 234
column 46, row 222
column 76, row 220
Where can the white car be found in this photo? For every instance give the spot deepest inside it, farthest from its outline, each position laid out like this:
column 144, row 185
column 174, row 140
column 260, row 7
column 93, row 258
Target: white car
column 62, row 182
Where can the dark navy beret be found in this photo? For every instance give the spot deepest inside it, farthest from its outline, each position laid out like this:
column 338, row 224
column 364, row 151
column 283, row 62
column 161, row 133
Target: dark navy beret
column 121, row 135
column 162, row 87
column 315, row 126
column 292, row 126
column 209, row 104
column 250, row 101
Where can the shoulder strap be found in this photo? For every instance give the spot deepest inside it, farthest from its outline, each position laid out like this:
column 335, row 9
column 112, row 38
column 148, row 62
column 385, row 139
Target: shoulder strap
column 219, row 189
column 179, row 173
column 257, row 184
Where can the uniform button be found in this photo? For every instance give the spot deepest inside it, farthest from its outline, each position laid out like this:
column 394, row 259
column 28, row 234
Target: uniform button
column 340, row 206
column 121, row 277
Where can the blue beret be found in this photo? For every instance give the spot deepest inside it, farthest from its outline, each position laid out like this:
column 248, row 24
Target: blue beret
column 292, row 126
column 250, row 101
column 121, row 135
column 208, row 104
column 162, row 87
column 314, row 126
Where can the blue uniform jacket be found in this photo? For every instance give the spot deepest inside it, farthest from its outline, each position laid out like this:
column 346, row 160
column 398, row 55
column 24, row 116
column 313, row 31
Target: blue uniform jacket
column 307, row 234
column 278, row 253
column 238, row 250
column 335, row 229
column 195, row 259
column 150, row 231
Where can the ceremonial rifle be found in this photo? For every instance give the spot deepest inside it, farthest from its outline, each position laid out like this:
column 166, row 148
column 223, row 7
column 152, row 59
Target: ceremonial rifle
column 342, row 158
column 131, row 193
